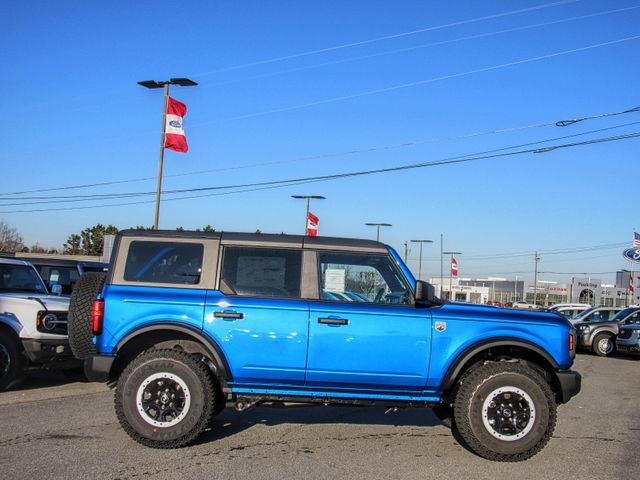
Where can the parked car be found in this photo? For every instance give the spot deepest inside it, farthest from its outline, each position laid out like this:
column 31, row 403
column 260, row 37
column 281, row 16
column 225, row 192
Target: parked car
column 628, row 339
column 600, row 336
column 570, row 312
column 524, row 306
column 33, row 324
column 64, row 272
column 188, row 322
column 582, row 306
column 496, row 303
column 596, row 314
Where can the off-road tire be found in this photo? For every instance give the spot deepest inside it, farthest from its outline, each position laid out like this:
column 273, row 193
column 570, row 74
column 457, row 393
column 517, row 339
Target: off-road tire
column 84, row 293
column 482, row 381
column 202, row 391
column 13, row 361
column 596, row 348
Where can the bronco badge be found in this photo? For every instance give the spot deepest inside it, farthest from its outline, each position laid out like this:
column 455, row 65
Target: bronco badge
column 441, row 326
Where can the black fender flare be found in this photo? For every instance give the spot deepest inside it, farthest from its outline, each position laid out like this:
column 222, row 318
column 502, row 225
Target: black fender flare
column 209, row 343
column 467, row 354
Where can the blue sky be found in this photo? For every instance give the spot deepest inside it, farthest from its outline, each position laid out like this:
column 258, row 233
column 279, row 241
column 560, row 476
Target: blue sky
column 74, row 115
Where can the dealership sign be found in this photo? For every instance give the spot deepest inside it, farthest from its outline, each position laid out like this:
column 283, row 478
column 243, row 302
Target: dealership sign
column 632, row 254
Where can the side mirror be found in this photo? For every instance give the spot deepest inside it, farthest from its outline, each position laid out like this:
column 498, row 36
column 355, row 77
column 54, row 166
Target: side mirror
column 56, row 289
column 426, row 293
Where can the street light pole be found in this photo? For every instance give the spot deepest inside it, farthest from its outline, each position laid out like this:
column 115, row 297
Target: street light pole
column 420, row 264
column 308, row 199
column 184, row 82
column 378, row 225
column 535, row 279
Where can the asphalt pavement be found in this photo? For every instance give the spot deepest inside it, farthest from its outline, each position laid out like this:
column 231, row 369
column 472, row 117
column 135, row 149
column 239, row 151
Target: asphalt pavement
column 51, row 428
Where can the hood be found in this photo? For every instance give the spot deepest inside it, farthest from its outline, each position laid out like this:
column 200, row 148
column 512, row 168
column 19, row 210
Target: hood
column 490, row 312
column 50, row 302
column 633, row 326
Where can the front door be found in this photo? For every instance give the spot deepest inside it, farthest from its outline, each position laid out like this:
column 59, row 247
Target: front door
column 364, row 332
column 257, row 317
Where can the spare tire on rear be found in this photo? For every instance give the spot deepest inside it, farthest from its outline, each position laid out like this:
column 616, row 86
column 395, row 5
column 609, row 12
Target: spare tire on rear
column 80, row 331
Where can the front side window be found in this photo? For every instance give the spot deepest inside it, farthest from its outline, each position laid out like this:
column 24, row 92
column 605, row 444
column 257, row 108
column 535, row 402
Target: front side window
column 164, row 262
column 363, row 278
column 262, row 272
column 66, row 277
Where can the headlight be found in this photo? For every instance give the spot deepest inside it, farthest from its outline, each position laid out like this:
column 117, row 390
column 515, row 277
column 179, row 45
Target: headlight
column 584, row 329
column 49, row 321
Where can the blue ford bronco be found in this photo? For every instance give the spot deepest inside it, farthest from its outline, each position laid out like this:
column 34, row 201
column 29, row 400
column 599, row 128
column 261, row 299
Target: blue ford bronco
column 186, row 323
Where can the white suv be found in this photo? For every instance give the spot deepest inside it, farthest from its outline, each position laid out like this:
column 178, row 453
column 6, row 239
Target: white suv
column 33, row 324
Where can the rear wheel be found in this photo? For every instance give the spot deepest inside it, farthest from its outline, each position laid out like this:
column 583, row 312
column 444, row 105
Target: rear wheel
column 165, row 398
column 604, row 344
column 12, row 361
column 505, row 411
column 80, row 306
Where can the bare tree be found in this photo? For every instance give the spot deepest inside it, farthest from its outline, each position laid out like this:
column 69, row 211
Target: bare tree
column 10, row 240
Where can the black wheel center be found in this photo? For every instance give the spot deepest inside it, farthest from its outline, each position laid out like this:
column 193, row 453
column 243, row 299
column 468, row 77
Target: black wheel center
column 508, row 413
column 163, row 400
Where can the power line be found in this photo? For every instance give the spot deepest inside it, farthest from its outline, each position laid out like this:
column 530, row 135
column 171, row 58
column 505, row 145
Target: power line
column 383, row 38
column 417, row 47
column 413, row 84
column 291, row 182
column 321, row 156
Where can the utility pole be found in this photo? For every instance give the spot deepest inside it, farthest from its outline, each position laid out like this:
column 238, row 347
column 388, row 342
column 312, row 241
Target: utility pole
column 535, row 278
column 184, row 82
column 420, row 265
column 308, row 199
column 406, row 251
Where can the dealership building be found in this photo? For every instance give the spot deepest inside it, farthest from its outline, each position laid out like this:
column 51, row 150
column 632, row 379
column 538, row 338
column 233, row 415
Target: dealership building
column 579, row 290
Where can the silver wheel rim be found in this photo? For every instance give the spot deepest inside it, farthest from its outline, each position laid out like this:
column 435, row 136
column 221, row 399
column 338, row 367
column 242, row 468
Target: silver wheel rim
column 5, row 360
column 605, row 345
column 163, row 399
column 508, row 413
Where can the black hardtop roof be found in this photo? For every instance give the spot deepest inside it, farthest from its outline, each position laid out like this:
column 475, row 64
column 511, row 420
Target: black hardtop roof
column 266, row 238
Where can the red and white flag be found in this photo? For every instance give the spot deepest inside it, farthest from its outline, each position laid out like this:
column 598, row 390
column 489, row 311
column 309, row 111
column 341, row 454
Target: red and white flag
column 454, row 267
column 174, row 138
column 312, row 225
column 632, row 287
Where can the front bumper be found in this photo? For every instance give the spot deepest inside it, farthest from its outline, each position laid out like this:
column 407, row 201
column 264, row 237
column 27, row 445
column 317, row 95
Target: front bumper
column 584, row 340
column 97, row 367
column 570, row 383
column 50, row 353
column 629, row 345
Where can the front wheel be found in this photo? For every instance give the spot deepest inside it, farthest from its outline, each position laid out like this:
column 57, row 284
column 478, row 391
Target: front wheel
column 165, row 398
column 505, row 411
column 12, row 361
column 603, row 344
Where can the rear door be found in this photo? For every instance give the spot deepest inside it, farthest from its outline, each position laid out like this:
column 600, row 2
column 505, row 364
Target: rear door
column 364, row 331
column 257, row 316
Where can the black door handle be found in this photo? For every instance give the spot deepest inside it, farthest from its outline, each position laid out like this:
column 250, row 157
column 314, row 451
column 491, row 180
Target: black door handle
column 333, row 321
column 233, row 315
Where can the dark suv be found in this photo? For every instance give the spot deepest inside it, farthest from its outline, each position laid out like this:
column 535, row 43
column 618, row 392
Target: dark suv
column 188, row 322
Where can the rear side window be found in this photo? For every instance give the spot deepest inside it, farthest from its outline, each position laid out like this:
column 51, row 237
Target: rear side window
column 262, row 272
column 164, row 262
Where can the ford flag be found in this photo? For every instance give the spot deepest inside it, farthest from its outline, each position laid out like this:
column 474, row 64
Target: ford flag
column 174, row 138
column 454, row 267
column 312, row 225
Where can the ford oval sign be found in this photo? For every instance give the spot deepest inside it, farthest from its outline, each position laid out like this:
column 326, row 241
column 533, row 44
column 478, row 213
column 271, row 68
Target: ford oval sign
column 175, row 124
column 632, row 254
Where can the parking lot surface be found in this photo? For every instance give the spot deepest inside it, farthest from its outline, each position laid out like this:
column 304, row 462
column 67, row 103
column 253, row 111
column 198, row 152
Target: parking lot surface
column 55, row 429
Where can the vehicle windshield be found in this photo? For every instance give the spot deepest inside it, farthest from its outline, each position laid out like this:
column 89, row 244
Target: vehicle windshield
column 622, row 314
column 583, row 314
column 20, row 279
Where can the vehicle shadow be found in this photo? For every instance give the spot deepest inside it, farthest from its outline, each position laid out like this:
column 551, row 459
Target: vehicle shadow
column 43, row 379
column 230, row 422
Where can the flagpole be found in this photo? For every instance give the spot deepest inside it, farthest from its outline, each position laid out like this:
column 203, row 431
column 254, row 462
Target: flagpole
column 161, row 162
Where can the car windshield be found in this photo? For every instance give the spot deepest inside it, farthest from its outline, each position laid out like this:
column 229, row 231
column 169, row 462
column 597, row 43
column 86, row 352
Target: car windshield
column 583, row 314
column 20, row 278
column 622, row 314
